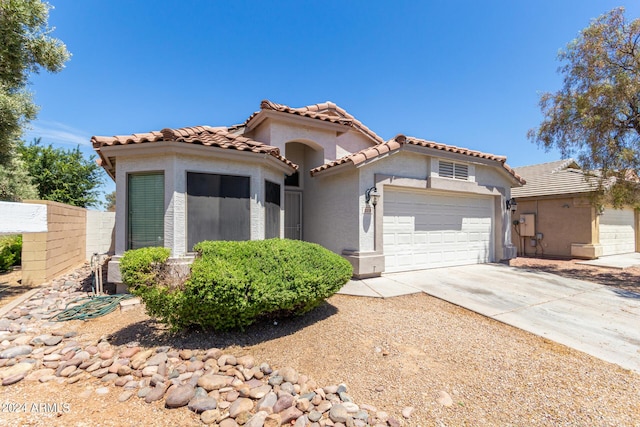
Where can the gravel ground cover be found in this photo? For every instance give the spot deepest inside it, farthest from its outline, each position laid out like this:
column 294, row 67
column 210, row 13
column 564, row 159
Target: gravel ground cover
column 438, row 364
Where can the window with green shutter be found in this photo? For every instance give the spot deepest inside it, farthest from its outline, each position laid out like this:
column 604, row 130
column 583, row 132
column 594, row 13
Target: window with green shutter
column 145, row 201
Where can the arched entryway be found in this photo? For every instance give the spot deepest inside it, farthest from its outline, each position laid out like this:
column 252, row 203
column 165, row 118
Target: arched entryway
column 307, row 155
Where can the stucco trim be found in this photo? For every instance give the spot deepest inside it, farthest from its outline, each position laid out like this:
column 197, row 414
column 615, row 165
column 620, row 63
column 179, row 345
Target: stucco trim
column 283, row 117
column 182, row 149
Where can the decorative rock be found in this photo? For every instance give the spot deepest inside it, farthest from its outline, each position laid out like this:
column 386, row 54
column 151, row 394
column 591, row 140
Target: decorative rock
column 259, row 392
column 202, row 404
column 228, row 422
column 227, row 359
column 99, row 373
column 124, row 370
column 406, row 412
column 239, row 406
column 314, row 416
column 102, row 391
column 267, row 402
column 12, row 379
column 290, row 414
column 128, row 352
column 351, row 407
column 210, row 416
column 338, row 414
column 185, row 354
column 12, row 352
column 180, row 396
column 55, row 340
column 125, row 395
column 157, row 359
column 246, row 361
column 285, row 401
column 289, row 374
column 109, row 377
column 213, row 382
column 156, row 394
column 444, row 399
column 65, row 372
column 144, row 391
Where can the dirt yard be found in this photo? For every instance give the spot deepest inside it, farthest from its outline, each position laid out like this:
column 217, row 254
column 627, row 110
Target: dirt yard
column 392, row 354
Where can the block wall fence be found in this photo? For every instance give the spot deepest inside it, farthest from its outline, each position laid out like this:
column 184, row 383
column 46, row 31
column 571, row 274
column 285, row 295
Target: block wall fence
column 73, row 235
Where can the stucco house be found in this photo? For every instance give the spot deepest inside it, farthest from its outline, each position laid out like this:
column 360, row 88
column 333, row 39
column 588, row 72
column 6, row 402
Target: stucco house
column 314, row 173
column 555, row 215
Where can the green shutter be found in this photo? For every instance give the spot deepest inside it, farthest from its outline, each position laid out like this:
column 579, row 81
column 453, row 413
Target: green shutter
column 145, row 210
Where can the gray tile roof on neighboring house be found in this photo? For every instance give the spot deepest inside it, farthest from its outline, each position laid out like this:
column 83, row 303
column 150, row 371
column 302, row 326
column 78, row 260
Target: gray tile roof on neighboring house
column 201, row 135
column 553, row 178
column 400, row 140
column 326, row 111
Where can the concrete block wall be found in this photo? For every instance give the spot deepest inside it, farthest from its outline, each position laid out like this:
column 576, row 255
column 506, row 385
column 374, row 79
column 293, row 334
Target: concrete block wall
column 100, row 233
column 61, row 248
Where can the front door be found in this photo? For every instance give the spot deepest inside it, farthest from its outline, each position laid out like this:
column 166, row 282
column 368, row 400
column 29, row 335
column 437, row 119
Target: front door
column 293, row 215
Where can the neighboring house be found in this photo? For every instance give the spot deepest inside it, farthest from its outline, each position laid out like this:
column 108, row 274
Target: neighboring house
column 557, row 217
column 314, row 173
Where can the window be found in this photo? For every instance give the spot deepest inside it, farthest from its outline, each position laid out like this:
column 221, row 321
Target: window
column 453, row 170
column 292, row 180
column 217, row 208
column 145, row 202
column 272, row 210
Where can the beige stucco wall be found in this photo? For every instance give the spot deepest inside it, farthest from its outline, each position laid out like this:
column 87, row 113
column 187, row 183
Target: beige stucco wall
column 333, row 144
column 61, row 248
column 100, row 233
column 175, row 167
column 563, row 221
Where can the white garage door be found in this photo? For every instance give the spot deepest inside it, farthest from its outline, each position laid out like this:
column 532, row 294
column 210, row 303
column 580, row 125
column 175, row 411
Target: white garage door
column 617, row 231
column 428, row 230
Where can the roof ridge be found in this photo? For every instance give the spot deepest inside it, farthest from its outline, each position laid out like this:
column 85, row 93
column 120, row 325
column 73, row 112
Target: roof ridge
column 316, row 111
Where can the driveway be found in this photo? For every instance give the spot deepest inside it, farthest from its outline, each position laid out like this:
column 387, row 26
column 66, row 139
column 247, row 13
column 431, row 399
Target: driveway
column 599, row 320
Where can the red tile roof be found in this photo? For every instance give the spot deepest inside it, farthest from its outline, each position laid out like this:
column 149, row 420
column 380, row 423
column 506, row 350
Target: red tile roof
column 326, row 111
column 200, row 135
column 401, row 140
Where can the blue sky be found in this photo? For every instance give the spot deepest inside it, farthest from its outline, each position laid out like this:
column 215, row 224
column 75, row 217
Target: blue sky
column 465, row 73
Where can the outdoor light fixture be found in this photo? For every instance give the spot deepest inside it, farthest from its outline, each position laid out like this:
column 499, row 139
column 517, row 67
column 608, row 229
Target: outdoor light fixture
column 512, row 205
column 372, row 195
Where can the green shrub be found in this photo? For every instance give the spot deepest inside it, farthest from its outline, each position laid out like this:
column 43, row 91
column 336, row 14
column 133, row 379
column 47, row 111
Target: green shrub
column 10, row 252
column 233, row 284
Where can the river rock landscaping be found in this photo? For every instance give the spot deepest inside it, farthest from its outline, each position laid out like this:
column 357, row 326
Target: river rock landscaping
column 220, row 387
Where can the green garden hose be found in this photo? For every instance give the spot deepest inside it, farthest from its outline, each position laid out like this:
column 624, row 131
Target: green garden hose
column 94, row 307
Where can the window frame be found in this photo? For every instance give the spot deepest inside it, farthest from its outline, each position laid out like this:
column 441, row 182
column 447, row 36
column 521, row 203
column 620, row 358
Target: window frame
column 129, row 236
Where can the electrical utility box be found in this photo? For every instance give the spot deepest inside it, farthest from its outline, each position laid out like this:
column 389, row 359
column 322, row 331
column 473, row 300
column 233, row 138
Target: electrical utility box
column 528, row 225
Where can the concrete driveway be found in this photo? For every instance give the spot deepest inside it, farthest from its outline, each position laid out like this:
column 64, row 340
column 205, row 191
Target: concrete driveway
column 599, row 320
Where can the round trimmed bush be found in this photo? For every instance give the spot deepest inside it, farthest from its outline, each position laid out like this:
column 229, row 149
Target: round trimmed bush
column 233, row 284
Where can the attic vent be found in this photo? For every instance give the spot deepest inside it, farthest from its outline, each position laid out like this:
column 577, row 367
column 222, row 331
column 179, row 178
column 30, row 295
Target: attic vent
column 453, row 170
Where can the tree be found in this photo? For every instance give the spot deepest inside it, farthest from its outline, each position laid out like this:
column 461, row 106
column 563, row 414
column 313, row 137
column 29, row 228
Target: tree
column 62, row 175
column 15, row 182
column 26, row 46
column 110, row 201
column 596, row 115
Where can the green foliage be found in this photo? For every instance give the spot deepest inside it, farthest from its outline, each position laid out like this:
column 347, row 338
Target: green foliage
column 141, row 268
column 233, row 284
column 596, row 115
column 10, row 252
column 26, row 46
column 15, row 182
column 110, row 199
column 61, row 175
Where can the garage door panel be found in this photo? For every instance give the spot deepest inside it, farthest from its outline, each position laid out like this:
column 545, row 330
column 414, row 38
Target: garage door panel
column 446, row 230
column 617, row 231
